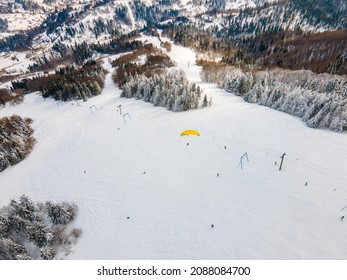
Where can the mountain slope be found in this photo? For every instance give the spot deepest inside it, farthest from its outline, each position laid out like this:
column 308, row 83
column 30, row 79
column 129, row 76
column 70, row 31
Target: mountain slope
column 258, row 212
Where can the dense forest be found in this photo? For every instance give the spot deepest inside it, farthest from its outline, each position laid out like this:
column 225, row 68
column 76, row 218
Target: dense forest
column 144, row 75
column 67, row 83
column 321, row 52
column 36, row 231
column 7, row 96
column 282, row 33
column 170, row 90
column 16, row 140
column 78, row 53
column 154, row 61
column 319, row 100
column 3, row 24
column 330, row 12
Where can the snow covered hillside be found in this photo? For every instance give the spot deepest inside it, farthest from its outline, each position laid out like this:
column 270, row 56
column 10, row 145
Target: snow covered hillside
column 146, row 194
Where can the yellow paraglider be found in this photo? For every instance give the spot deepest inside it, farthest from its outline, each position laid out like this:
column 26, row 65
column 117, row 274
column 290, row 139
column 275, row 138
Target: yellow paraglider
column 190, row 132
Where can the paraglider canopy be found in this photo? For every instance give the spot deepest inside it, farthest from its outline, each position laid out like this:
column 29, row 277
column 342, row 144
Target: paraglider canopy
column 190, row 132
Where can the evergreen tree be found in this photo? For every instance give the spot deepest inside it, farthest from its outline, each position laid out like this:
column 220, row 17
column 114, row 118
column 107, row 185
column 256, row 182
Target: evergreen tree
column 204, row 102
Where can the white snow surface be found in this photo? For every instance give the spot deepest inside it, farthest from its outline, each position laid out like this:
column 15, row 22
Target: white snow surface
column 258, row 212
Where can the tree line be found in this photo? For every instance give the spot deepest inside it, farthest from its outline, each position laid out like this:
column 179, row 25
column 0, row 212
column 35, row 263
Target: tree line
column 318, row 99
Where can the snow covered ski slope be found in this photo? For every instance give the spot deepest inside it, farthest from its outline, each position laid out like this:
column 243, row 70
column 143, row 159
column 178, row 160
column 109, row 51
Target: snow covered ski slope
column 146, row 194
